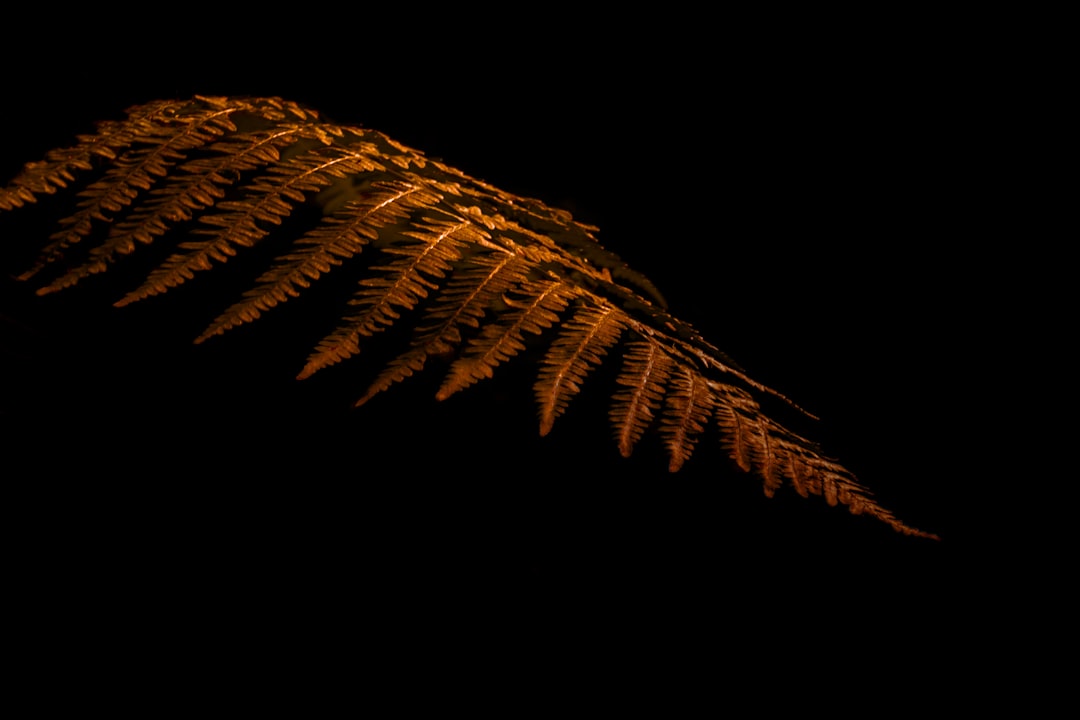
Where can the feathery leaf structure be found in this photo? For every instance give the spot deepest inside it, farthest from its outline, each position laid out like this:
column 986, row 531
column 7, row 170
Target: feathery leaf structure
column 476, row 273
column 644, row 377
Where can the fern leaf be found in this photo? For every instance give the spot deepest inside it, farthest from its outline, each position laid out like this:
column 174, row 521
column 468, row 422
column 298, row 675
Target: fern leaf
column 420, row 265
column 128, row 176
column 733, row 408
column 62, row 165
column 645, row 372
column 464, row 303
column 198, row 185
column 338, row 238
column 689, row 406
column 583, row 341
column 480, row 271
column 245, row 222
column 536, row 308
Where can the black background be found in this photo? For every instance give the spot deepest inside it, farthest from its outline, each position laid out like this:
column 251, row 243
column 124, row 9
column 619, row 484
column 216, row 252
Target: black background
column 794, row 189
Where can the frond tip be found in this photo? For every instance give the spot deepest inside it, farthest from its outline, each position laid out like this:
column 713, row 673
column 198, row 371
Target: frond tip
column 472, row 275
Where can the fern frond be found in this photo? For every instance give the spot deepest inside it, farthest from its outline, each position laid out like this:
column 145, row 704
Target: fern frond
column 582, row 342
column 535, row 308
column 131, row 174
column 421, row 264
column 244, row 222
column 337, row 238
column 646, row 368
column 689, row 406
column 735, row 413
column 197, row 185
column 481, row 272
column 467, row 298
column 62, row 165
